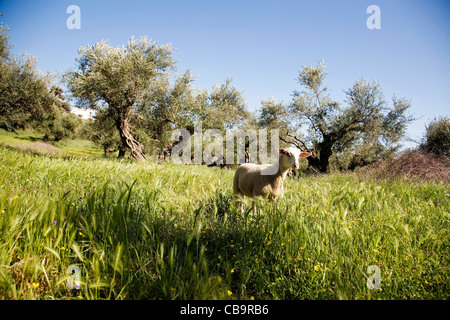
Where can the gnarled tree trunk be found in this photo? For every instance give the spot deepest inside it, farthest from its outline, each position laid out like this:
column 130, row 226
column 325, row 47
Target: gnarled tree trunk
column 325, row 153
column 127, row 139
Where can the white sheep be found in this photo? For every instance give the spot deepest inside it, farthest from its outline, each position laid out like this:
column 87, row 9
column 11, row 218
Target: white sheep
column 254, row 180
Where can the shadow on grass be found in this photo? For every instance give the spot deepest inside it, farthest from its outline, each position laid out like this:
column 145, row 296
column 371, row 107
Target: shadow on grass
column 152, row 253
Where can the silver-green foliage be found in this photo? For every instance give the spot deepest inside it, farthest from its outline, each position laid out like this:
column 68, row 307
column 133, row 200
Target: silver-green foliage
column 366, row 128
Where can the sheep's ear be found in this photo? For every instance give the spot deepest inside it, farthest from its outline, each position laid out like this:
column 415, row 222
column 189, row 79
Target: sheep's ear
column 304, row 154
column 285, row 152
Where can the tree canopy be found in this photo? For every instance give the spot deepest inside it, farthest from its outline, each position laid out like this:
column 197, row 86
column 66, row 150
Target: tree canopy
column 139, row 100
column 132, row 85
column 30, row 99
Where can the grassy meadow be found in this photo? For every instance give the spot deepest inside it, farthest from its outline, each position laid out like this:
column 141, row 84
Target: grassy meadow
column 164, row 231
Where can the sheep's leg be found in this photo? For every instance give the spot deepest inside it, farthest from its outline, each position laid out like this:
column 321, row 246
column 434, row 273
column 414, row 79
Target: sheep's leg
column 274, row 203
column 238, row 203
column 254, row 206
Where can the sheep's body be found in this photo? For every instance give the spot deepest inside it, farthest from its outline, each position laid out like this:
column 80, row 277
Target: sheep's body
column 250, row 182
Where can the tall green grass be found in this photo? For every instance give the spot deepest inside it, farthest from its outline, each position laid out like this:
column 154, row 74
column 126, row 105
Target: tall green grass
column 163, row 231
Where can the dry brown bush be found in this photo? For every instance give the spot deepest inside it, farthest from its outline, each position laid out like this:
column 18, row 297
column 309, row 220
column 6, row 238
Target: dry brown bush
column 413, row 165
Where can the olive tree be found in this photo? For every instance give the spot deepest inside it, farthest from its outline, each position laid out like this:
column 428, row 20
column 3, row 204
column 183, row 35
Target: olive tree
column 29, row 99
column 116, row 79
column 367, row 120
column 223, row 107
column 181, row 106
column 164, row 107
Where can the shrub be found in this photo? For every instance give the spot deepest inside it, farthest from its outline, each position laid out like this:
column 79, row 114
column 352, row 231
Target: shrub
column 437, row 137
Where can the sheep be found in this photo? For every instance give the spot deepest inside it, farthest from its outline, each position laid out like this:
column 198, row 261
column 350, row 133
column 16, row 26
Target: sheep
column 254, row 180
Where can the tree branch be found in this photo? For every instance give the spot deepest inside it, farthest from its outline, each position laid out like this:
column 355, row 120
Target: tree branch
column 298, row 143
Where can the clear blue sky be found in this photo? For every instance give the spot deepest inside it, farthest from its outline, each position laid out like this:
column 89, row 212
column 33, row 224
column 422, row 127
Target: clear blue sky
column 261, row 44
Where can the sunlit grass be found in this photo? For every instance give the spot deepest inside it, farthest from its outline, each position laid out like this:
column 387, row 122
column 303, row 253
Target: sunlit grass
column 31, row 142
column 80, row 148
column 163, row 231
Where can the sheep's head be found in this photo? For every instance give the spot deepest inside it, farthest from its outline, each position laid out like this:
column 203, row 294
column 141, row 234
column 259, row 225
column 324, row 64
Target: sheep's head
column 292, row 157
